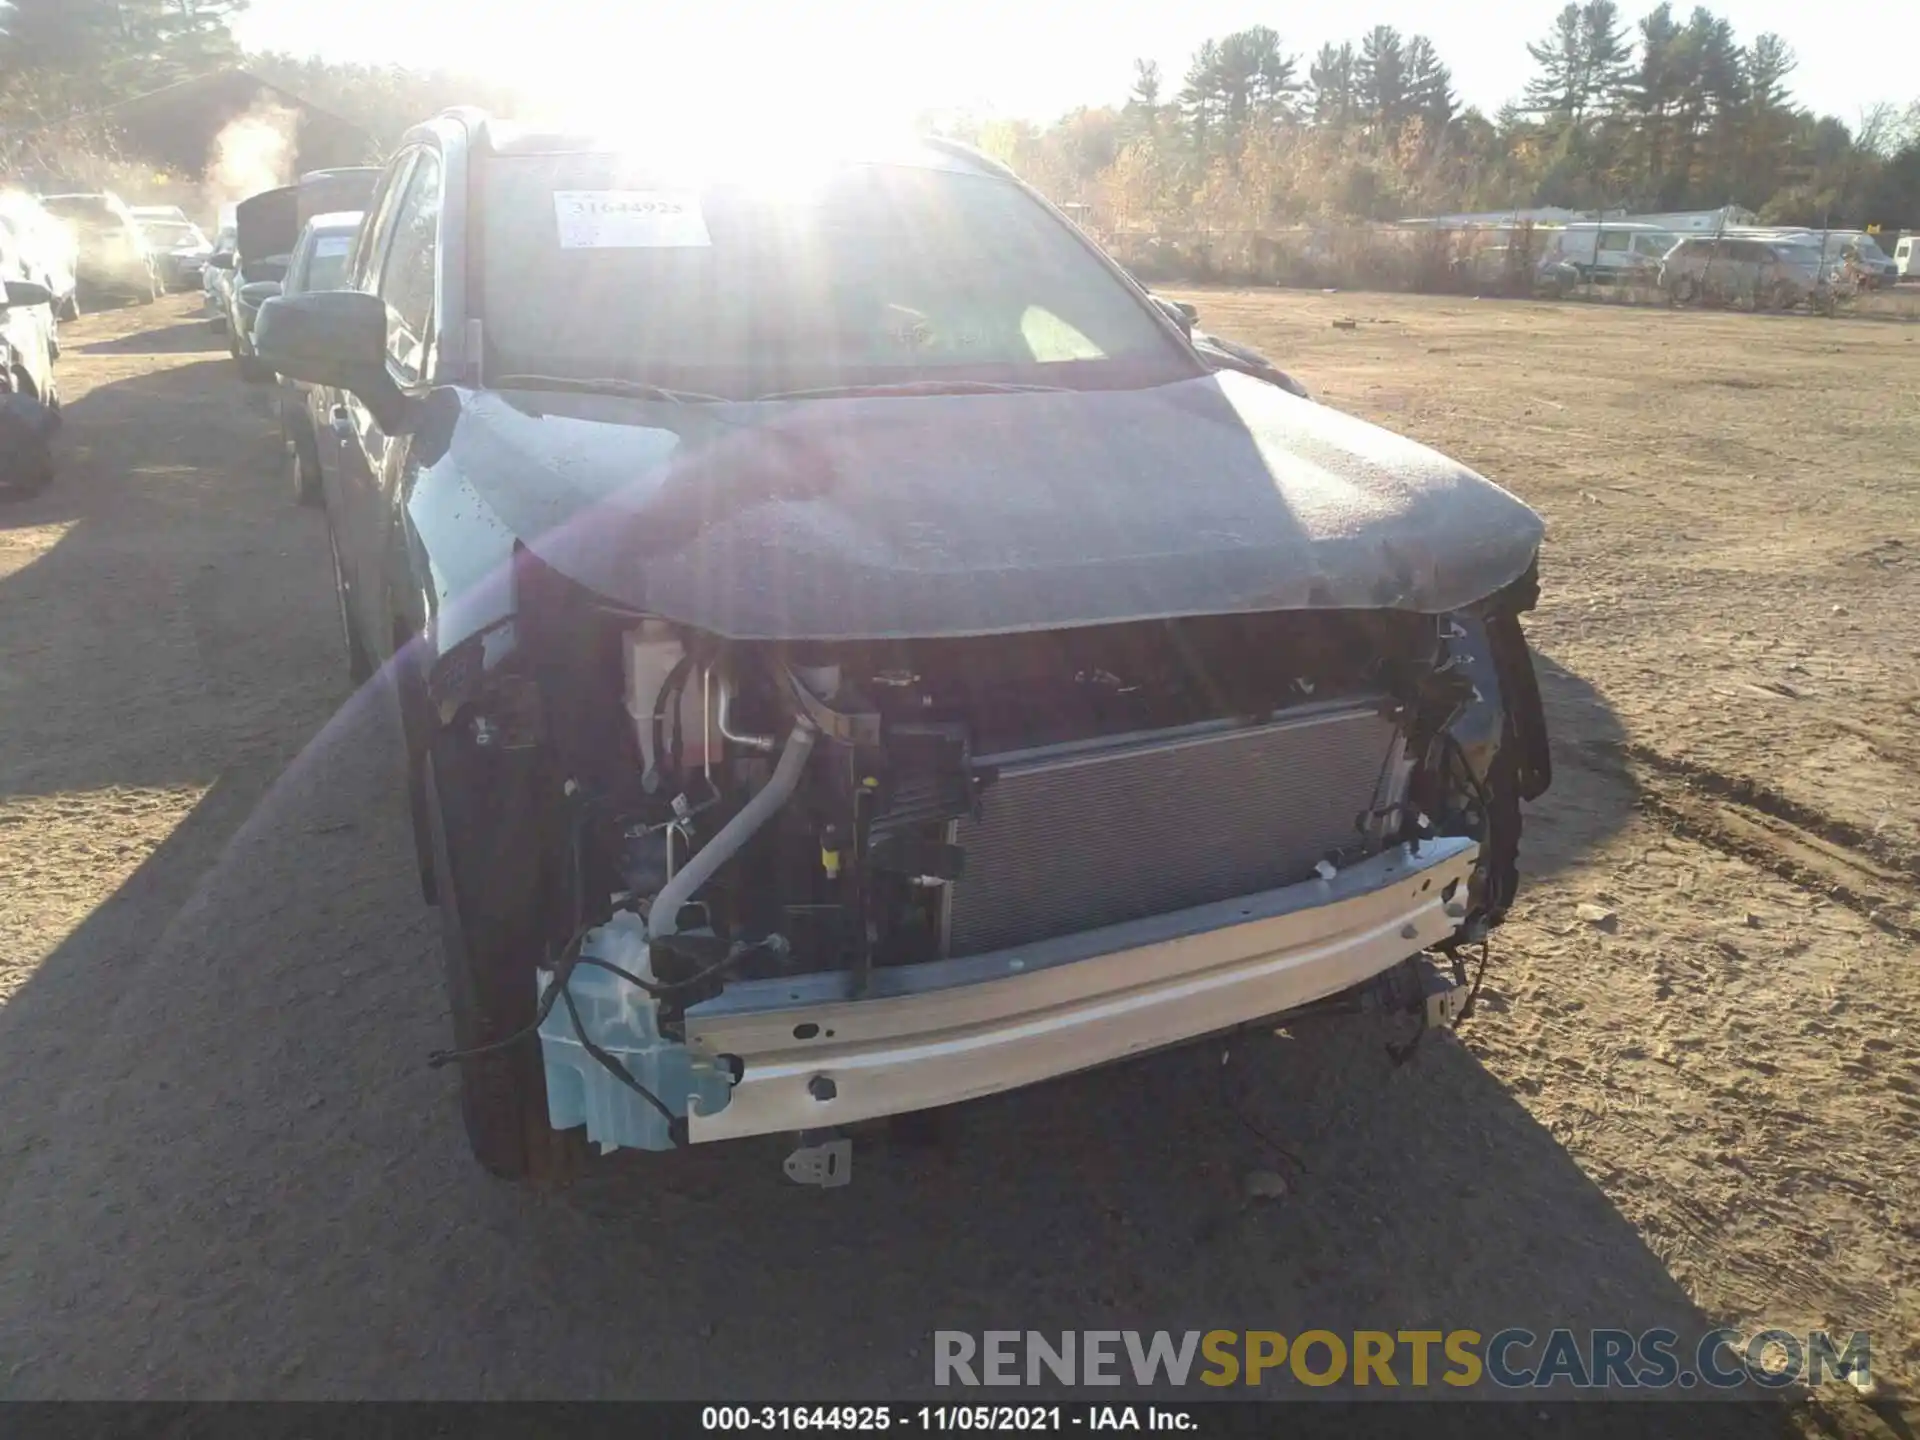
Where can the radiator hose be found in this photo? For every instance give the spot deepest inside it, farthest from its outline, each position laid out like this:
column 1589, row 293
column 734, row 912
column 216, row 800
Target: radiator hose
column 663, row 917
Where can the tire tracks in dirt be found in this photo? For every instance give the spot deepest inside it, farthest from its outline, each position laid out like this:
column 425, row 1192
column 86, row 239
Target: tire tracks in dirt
column 1747, row 819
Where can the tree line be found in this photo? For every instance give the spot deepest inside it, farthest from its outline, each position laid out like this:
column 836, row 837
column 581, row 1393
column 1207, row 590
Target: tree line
column 1668, row 112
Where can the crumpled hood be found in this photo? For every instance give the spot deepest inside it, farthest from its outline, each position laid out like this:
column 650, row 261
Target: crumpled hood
column 979, row 514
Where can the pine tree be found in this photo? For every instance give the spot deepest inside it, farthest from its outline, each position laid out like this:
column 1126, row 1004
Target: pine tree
column 1332, row 85
column 1383, row 79
column 1559, row 91
column 1429, row 88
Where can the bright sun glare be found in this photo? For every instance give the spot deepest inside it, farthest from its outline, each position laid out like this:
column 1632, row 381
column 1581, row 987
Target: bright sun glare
column 760, row 113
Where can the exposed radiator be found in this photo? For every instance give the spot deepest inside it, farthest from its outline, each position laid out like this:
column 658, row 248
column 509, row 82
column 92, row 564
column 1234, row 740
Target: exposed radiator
column 1074, row 838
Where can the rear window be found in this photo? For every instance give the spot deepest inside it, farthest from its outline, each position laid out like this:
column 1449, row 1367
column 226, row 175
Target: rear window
column 880, row 273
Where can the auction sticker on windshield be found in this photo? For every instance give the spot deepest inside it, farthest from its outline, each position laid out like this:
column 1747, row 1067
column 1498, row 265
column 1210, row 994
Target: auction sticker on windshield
column 629, row 219
column 332, row 247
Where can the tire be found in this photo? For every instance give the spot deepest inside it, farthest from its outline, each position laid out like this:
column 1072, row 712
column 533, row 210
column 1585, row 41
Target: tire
column 26, row 459
column 480, row 811
column 303, row 471
column 359, row 662
column 1683, row 291
column 70, row 307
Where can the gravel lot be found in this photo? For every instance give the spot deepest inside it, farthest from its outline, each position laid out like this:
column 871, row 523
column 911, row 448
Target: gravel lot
column 225, row 1170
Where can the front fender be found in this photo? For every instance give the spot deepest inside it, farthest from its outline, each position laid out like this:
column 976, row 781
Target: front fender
column 452, row 583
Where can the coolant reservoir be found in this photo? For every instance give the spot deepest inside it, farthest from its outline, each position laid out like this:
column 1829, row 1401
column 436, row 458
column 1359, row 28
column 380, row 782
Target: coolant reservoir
column 649, row 652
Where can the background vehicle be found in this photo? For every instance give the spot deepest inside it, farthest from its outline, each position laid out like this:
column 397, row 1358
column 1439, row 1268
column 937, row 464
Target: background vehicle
column 319, row 263
column 266, row 227
column 1872, row 267
column 45, row 246
column 1903, row 257
column 666, row 506
column 1772, row 274
column 180, row 248
column 113, row 257
column 29, row 396
column 216, row 278
column 1613, row 253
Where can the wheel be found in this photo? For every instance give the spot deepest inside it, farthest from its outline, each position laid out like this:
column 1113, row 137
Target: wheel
column 483, row 828
column 359, row 662
column 26, row 459
column 69, row 308
column 303, row 472
column 1785, row 297
column 1683, row 291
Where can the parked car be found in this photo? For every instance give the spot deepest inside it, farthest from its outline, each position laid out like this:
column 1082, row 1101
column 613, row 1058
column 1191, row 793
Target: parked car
column 319, row 263
column 29, row 394
column 113, row 255
column 1619, row 253
column 180, row 247
column 1767, row 274
column 266, row 227
column 46, row 248
column 1904, row 258
column 216, row 276
column 1854, row 253
column 1514, row 270
column 856, row 654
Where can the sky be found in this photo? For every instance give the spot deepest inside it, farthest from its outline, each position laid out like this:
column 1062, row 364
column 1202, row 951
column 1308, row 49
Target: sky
column 1032, row 60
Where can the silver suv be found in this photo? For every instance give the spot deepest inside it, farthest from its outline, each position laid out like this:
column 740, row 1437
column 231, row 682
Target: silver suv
column 1767, row 274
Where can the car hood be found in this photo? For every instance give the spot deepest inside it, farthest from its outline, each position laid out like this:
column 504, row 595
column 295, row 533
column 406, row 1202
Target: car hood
column 896, row 516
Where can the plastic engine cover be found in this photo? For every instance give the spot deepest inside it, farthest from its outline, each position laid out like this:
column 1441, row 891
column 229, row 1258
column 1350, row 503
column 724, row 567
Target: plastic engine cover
column 620, row 1019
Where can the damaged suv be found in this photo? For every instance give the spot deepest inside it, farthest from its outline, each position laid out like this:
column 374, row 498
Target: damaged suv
column 857, row 653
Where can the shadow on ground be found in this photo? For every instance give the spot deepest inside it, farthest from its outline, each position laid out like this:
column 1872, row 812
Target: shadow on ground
column 225, row 1170
column 177, row 338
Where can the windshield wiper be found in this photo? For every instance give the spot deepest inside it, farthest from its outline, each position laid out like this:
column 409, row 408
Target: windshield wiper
column 633, row 389
column 914, row 387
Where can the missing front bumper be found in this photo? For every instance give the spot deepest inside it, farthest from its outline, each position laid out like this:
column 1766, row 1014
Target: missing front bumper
column 810, row 1056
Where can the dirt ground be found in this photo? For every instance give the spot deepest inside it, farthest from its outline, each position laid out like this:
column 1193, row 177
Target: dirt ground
column 225, row 1170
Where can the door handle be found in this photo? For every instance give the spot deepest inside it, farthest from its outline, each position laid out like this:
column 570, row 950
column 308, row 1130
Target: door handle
column 340, row 422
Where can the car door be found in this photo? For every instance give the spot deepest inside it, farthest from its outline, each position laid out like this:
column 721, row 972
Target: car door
column 371, row 458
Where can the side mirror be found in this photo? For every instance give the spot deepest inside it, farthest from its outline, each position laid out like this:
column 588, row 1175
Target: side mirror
column 336, row 338
column 26, row 292
column 221, row 260
column 1178, row 311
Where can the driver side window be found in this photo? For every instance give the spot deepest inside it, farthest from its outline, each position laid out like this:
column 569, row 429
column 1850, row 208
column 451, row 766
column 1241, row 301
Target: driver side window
column 407, row 275
column 378, row 225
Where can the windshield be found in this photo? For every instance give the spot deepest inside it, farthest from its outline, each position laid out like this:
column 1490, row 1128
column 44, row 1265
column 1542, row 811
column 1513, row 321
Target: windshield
column 882, row 274
column 172, row 234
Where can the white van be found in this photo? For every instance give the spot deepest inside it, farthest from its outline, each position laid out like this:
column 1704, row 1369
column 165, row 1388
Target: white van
column 1613, row 252
column 1904, row 257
